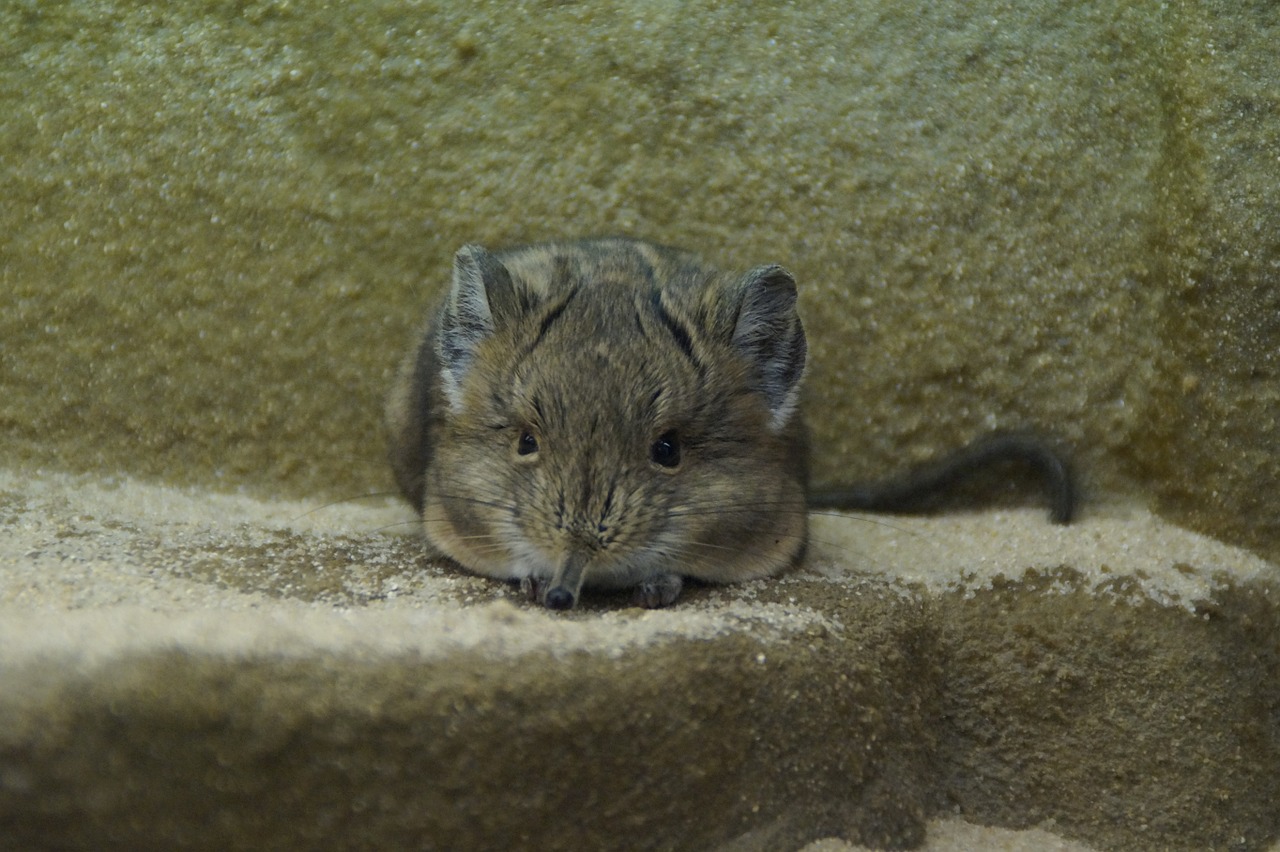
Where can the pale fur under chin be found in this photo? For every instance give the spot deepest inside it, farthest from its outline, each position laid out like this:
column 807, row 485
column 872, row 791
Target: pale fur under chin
column 519, row 561
column 679, row 350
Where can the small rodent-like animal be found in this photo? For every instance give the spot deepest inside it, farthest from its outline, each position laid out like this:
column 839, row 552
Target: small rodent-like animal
column 615, row 413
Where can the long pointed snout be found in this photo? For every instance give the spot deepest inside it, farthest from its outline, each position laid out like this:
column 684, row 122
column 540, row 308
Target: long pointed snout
column 566, row 584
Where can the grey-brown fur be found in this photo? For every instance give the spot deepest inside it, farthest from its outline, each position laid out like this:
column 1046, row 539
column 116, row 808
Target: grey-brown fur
column 534, row 424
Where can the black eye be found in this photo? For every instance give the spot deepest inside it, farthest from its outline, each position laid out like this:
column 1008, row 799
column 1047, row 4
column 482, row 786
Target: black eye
column 666, row 450
column 528, row 443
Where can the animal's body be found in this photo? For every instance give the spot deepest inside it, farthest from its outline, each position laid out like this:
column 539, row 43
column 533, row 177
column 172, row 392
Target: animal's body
column 607, row 413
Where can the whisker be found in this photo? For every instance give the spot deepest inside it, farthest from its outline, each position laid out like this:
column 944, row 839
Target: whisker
column 368, row 496
column 848, row 516
column 480, row 537
column 706, row 545
column 384, row 527
column 491, row 502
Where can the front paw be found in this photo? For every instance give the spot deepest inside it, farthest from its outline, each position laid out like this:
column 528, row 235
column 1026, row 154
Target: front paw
column 534, row 589
column 659, row 591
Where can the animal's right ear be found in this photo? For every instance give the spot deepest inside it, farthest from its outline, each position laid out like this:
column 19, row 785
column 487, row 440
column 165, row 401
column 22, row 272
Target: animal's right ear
column 481, row 298
column 768, row 332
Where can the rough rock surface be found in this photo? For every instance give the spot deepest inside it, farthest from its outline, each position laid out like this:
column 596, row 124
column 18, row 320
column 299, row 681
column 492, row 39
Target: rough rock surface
column 218, row 672
column 223, row 219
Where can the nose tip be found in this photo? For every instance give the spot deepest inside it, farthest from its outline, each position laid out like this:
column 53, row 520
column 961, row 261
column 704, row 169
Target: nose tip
column 559, row 598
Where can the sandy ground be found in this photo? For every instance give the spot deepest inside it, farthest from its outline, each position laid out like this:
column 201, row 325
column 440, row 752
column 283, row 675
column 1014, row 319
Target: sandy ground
column 956, row 835
column 77, row 543
column 91, row 568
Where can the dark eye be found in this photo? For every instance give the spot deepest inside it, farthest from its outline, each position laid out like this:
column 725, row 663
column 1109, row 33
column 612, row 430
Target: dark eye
column 528, row 443
column 666, row 450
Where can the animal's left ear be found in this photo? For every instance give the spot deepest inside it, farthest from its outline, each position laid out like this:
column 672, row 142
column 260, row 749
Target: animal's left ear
column 480, row 300
column 768, row 332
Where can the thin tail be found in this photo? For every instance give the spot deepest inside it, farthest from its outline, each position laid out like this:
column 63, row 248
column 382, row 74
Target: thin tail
column 913, row 491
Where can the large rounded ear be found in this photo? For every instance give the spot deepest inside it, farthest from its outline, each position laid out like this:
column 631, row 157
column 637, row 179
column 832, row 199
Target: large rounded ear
column 481, row 298
column 768, row 332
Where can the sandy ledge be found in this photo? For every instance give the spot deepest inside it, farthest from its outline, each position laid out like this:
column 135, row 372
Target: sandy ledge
column 96, row 571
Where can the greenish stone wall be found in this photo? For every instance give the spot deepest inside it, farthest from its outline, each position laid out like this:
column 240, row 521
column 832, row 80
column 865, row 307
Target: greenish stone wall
column 222, row 220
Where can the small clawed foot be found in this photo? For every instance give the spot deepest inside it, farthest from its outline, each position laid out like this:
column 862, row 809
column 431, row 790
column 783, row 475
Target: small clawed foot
column 534, row 589
column 661, row 591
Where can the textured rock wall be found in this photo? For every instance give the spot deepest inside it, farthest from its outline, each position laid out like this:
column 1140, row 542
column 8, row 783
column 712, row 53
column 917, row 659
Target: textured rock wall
column 223, row 219
column 1208, row 443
